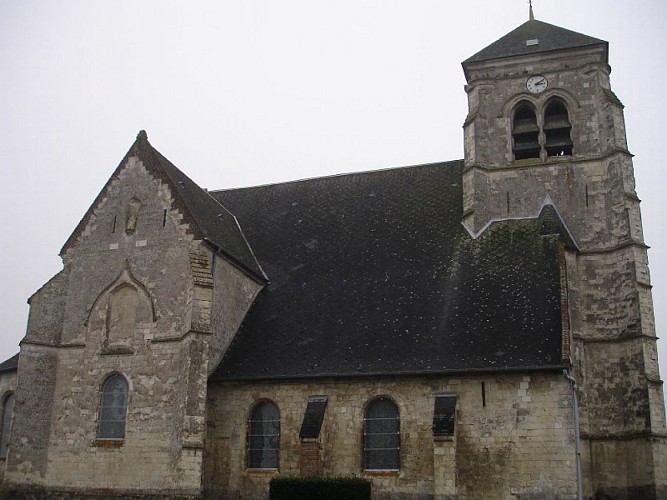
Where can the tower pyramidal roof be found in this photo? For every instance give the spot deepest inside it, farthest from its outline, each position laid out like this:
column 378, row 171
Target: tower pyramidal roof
column 532, row 37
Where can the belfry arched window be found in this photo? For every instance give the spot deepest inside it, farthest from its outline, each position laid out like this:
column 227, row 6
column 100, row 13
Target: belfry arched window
column 5, row 430
column 557, row 129
column 382, row 436
column 525, row 132
column 113, row 408
column 264, row 436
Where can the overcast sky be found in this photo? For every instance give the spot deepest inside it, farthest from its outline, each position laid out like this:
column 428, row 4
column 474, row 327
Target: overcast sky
column 239, row 93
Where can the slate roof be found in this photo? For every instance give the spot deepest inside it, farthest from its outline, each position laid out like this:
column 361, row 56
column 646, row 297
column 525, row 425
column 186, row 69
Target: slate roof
column 208, row 219
column 549, row 38
column 374, row 274
column 10, row 365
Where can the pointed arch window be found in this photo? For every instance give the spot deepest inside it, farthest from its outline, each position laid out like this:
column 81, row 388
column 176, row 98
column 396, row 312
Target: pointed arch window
column 382, row 436
column 5, row 431
column 541, row 136
column 264, row 436
column 113, row 408
column 525, row 132
column 557, row 129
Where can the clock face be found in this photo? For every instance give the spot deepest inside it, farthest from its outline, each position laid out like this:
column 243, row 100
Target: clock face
column 537, row 84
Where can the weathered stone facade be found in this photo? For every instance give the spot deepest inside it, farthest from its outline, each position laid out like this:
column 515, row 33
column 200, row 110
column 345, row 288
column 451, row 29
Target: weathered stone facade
column 7, row 388
column 514, row 436
column 135, row 298
column 159, row 281
column 609, row 291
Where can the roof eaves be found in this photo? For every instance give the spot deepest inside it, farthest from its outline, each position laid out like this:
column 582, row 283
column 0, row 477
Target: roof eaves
column 393, row 374
column 261, row 277
column 213, row 206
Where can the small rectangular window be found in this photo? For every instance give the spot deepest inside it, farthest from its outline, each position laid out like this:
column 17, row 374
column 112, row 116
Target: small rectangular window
column 313, row 418
column 444, row 414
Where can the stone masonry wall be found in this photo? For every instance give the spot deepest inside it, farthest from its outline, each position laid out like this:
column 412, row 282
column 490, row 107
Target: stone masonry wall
column 232, row 298
column 580, row 78
column 7, row 386
column 127, row 309
column 515, row 441
column 593, row 189
column 136, row 299
column 33, row 411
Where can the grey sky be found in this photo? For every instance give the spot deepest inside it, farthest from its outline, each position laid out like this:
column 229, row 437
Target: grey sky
column 240, row 93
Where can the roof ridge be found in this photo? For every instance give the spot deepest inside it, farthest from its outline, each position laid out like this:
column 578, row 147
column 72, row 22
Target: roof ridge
column 333, row 176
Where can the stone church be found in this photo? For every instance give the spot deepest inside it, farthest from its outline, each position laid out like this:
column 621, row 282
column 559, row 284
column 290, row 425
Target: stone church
column 473, row 329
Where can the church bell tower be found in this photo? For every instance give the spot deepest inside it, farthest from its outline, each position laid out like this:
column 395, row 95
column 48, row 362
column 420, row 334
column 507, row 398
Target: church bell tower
column 544, row 127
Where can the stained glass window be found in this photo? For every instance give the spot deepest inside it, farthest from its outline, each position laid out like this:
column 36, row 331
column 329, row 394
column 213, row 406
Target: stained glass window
column 381, row 436
column 264, row 436
column 113, row 408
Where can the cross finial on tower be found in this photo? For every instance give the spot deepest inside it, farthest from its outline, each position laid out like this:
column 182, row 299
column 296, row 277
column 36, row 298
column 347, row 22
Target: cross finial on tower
column 531, row 17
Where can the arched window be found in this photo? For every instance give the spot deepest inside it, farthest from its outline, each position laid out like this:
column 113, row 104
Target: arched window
column 5, row 431
column 382, row 436
column 557, row 129
column 264, row 436
column 525, row 133
column 113, row 408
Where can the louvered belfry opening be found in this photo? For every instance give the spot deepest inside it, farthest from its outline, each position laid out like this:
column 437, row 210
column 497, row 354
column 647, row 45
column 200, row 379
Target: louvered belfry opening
column 525, row 133
column 557, row 129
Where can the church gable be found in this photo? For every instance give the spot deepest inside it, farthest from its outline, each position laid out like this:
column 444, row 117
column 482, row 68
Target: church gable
column 150, row 261
column 190, row 206
column 116, row 211
column 154, row 221
column 132, row 229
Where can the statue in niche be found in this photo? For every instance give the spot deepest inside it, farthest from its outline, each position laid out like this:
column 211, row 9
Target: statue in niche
column 132, row 215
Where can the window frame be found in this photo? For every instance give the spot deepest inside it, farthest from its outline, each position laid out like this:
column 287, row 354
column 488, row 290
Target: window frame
column 102, row 414
column 6, row 428
column 252, row 453
column 368, row 464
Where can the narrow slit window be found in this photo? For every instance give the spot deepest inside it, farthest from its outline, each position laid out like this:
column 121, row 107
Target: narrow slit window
column 525, row 133
column 382, row 436
column 164, row 217
column 557, row 129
